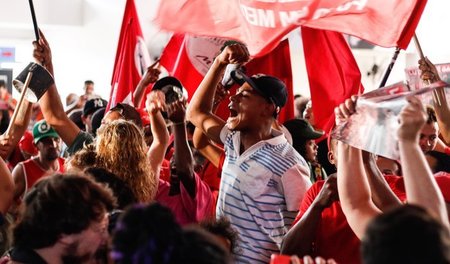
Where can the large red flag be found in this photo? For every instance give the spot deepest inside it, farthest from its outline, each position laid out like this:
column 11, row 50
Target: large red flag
column 261, row 24
column 332, row 72
column 188, row 58
column 132, row 58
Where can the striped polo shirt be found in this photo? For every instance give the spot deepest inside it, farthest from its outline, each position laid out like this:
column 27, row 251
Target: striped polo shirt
column 260, row 193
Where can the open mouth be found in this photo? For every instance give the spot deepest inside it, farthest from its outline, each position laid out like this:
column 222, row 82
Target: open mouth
column 233, row 113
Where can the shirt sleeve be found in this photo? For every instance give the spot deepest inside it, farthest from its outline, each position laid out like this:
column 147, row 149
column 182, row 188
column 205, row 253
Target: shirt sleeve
column 295, row 183
column 83, row 138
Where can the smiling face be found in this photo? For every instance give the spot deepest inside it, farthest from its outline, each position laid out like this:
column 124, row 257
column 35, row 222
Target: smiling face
column 248, row 109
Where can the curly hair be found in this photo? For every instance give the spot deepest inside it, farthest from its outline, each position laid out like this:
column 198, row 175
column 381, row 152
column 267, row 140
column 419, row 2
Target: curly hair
column 121, row 149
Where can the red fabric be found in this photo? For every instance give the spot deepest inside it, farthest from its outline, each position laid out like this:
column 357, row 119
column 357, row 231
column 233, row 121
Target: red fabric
column 334, row 237
column 262, row 24
column 332, row 71
column 397, row 184
column 164, row 172
column 130, row 62
column 277, row 63
column 33, row 172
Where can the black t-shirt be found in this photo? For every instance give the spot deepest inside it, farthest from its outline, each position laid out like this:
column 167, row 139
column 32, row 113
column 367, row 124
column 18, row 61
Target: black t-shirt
column 26, row 256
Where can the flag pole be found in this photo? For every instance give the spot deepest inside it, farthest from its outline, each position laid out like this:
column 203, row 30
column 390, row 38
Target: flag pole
column 389, row 68
column 422, row 57
column 33, row 16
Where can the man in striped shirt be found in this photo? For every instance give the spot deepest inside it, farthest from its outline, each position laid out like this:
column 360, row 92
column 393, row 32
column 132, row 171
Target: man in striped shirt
column 263, row 177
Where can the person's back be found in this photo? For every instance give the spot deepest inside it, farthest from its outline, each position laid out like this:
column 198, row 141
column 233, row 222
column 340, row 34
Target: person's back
column 407, row 234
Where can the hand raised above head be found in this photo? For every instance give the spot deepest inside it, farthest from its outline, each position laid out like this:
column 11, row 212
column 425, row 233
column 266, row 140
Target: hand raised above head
column 156, row 101
column 428, row 72
column 411, row 119
column 233, row 54
column 41, row 50
column 345, row 110
column 176, row 111
column 152, row 74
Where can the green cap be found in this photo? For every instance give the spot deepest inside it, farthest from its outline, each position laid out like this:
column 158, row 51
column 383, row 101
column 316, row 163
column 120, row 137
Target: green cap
column 42, row 130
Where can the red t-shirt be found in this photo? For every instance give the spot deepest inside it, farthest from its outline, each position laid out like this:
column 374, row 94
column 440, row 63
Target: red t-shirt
column 334, row 237
column 33, row 172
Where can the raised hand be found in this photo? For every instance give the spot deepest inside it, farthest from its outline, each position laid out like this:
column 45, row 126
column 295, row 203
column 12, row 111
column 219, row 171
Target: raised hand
column 42, row 52
column 411, row 119
column 151, row 75
column 345, row 110
column 176, row 111
column 428, row 72
column 233, row 54
column 155, row 102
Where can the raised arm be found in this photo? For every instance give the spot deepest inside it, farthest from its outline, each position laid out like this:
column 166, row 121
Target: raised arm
column 18, row 128
column 51, row 105
column 184, row 160
column 200, row 108
column 429, row 74
column 150, row 76
column 154, row 105
column 382, row 195
column 353, row 185
column 421, row 187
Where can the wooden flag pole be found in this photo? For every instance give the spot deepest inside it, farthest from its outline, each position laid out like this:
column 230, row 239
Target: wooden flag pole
column 422, row 57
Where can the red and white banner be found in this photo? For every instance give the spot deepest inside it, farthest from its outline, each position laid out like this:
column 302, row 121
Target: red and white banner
column 261, row 24
column 132, row 58
column 332, row 71
column 188, row 58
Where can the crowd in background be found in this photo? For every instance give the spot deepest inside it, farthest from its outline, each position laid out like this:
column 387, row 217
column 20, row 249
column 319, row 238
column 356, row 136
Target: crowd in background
column 86, row 182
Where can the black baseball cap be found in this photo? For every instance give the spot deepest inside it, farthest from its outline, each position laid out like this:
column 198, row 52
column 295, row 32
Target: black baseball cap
column 128, row 112
column 268, row 86
column 301, row 128
column 171, row 87
column 93, row 105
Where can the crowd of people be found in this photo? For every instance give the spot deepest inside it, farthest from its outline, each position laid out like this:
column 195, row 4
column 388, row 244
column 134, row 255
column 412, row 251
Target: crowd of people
column 175, row 183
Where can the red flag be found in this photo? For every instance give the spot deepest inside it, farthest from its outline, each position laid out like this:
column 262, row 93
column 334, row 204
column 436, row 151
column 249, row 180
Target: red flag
column 188, row 59
column 332, row 71
column 132, row 58
column 262, row 24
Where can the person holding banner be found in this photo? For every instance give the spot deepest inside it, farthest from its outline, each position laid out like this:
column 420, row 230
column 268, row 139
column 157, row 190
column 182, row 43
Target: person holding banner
column 263, row 177
column 429, row 74
column 389, row 238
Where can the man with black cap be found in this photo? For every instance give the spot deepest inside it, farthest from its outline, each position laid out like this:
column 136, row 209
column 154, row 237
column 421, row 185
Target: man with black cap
column 89, row 109
column 263, row 178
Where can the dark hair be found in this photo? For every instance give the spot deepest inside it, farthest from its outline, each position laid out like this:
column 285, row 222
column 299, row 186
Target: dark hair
column 147, row 234
column 120, row 189
column 201, row 247
column 96, row 119
column 222, row 227
column 60, row 204
column 88, row 82
column 431, row 115
column 442, row 161
column 406, row 234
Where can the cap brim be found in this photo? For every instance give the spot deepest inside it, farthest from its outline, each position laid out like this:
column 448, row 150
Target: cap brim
column 240, row 78
column 314, row 134
column 169, row 80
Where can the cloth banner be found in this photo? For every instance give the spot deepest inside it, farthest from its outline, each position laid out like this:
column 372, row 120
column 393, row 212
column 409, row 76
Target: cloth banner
column 261, row 24
column 132, row 58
